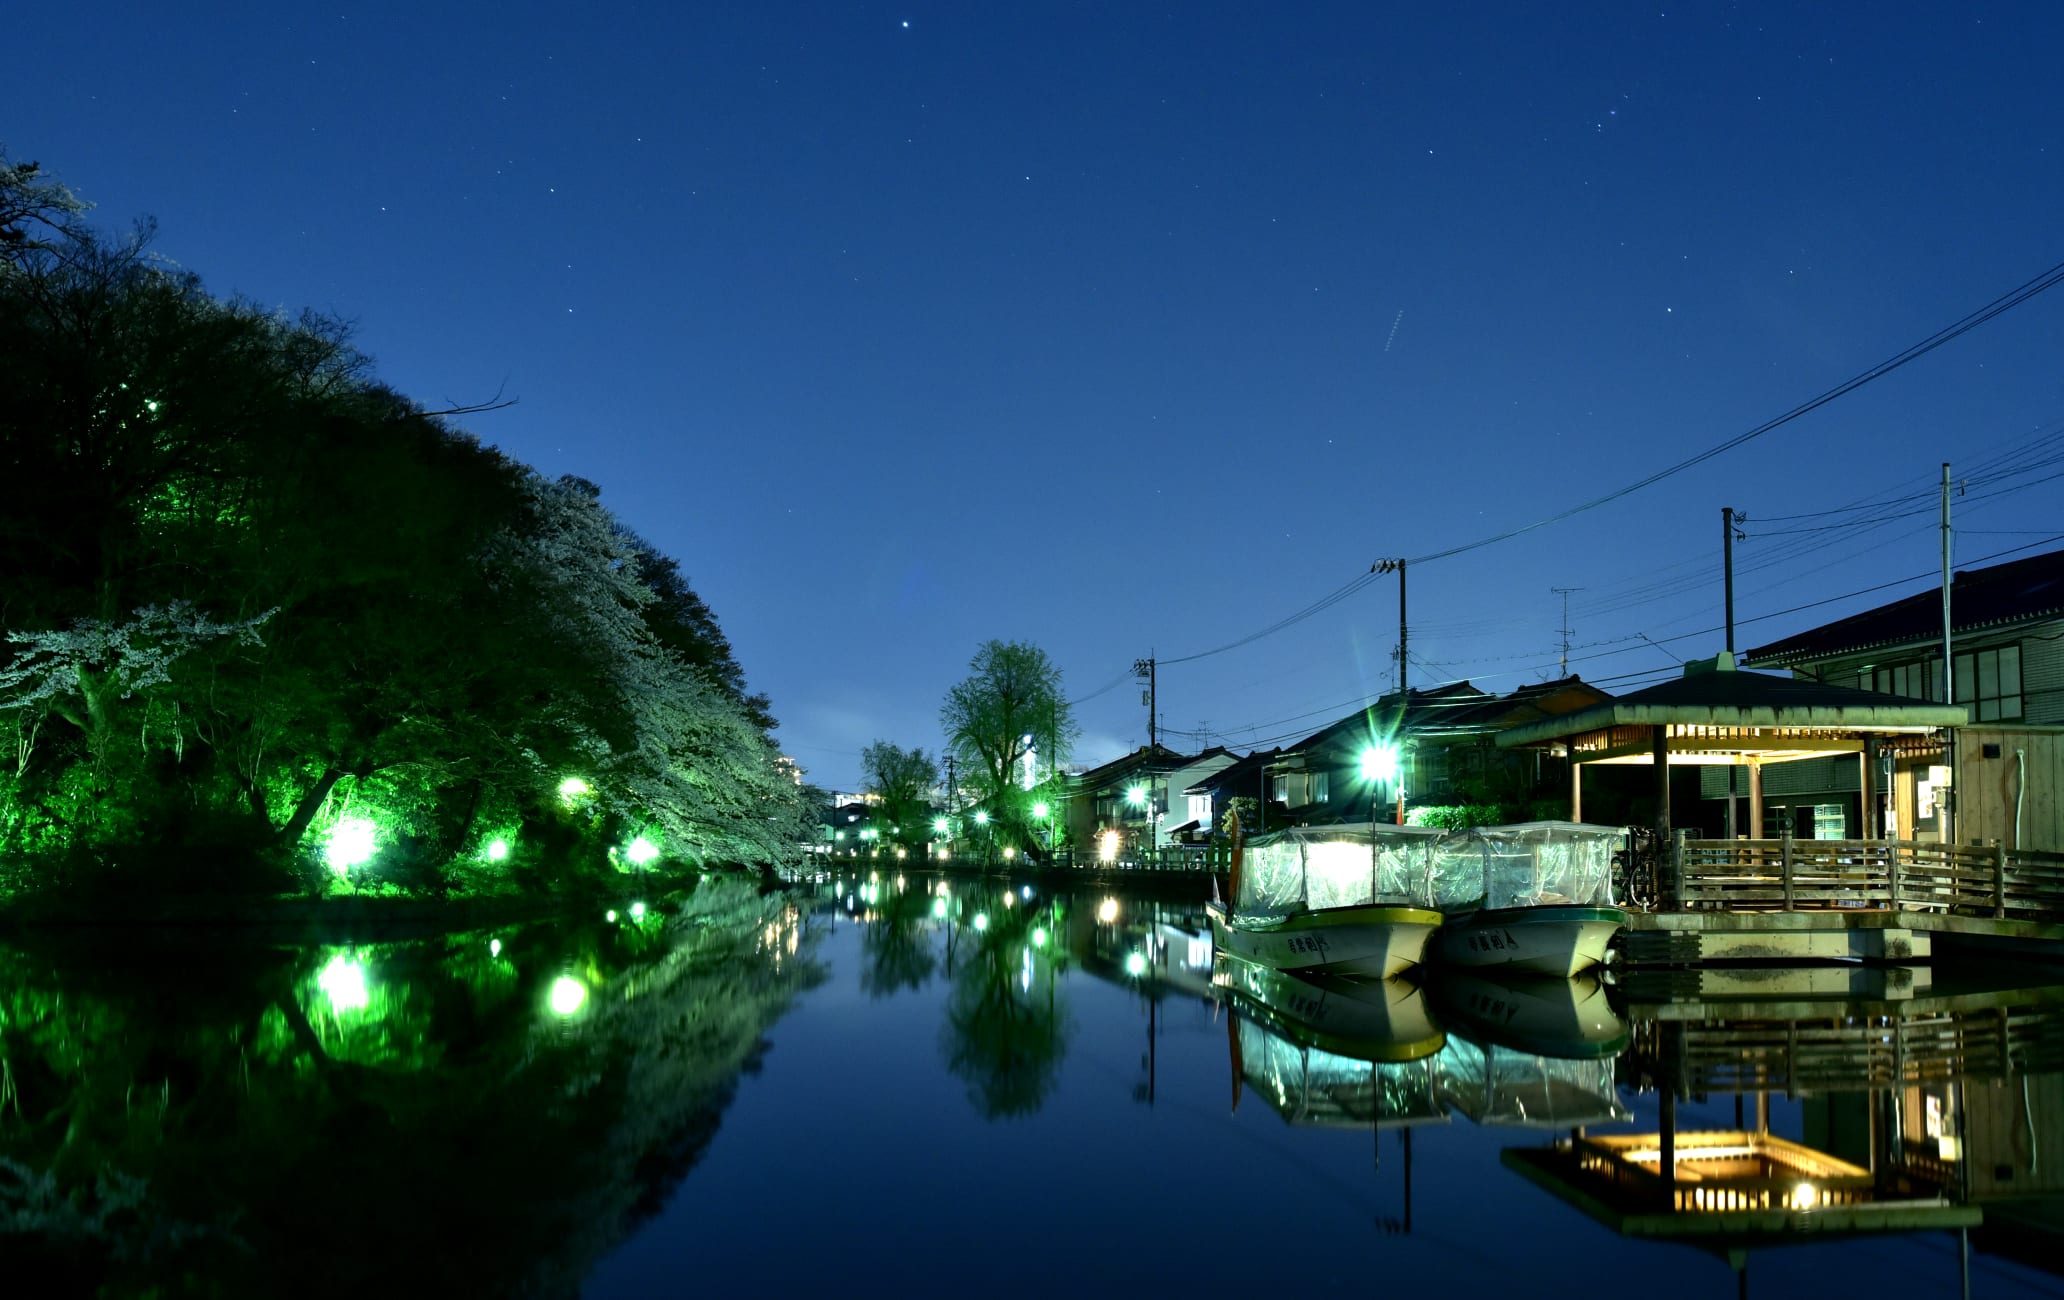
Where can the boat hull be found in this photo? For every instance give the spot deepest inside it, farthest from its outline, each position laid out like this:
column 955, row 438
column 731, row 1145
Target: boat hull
column 1368, row 1020
column 1566, row 1019
column 1557, row 940
column 1376, row 939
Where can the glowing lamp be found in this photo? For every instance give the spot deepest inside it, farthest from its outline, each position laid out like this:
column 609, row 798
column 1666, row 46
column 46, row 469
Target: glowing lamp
column 1135, row 965
column 1107, row 911
column 497, row 850
column 981, row 819
column 637, row 911
column 938, row 825
column 1039, row 937
column 1379, row 763
column 981, row 920
column 351, row 842
column 641, row 851
column 1137, row 796
column 568, row 995
column 1040, row 809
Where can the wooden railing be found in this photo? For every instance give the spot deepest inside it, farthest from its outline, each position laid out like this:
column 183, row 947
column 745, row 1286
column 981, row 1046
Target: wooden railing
column 1790, row 875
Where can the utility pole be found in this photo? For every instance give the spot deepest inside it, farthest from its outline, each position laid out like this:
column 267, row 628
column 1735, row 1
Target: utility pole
column 1564, row 592
column 1144, row 670
column 952, row 792
column 1728, row 516
column 1948, row 814
column 1397, row 567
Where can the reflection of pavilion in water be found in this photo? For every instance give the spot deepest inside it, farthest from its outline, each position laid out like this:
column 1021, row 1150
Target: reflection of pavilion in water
column 1920, row 1113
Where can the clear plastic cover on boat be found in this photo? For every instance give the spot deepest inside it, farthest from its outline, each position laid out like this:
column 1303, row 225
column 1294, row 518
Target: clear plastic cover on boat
column 1527, row 865
column 1336, row 866
column 1497, row 1085
column 1306, row 1085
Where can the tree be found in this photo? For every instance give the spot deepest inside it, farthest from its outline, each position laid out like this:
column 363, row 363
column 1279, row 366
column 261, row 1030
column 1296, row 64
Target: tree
column 1009, row 705
column 903, row 780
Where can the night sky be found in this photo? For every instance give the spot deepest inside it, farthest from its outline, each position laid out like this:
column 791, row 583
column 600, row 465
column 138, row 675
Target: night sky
column 1131, row 330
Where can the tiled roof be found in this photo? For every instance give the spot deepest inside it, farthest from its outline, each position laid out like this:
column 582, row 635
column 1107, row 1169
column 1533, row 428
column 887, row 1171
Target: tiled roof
column 2000, row 595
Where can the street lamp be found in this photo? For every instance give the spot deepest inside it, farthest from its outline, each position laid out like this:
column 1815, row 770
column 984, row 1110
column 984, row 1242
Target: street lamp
column 1379, row 768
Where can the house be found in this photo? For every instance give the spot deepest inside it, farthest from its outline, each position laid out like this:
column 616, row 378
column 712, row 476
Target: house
column 1208, row 799
column 1127, row 794
column 1187, row 817
column 2007, row 645
column 1441, row 744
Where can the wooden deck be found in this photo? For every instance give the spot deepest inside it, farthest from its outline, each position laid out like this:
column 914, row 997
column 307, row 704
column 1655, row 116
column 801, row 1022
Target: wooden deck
column 1773, row 900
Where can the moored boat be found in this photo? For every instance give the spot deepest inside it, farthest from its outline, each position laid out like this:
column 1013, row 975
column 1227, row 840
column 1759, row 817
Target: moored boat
column 1347, row 900
column 1534, row 898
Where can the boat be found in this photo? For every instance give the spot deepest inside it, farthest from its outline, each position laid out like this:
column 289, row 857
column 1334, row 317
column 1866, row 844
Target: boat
column 1535, row 898
column 1571, row 1019
column 1369, row 1020
column 1347, row 900
column 1329, row 1078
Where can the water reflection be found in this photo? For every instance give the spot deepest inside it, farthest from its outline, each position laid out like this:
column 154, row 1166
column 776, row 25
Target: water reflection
column 519, row 1111
column 482, row 1113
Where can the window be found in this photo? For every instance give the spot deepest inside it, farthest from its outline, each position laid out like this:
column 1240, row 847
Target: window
column 1989, row 681
column 1321, row 787
column 1200, row 809
column 1921, row 680
column 1279, row 789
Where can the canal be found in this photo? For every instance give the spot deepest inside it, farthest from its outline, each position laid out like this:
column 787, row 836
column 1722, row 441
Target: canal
column 914, row 1084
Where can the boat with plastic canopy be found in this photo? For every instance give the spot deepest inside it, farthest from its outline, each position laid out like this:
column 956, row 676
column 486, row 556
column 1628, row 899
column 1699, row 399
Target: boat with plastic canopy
column 1347, row 900
column 1535, row 898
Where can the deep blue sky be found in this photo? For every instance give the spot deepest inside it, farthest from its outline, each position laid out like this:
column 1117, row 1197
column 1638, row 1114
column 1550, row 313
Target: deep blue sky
column 1129, row 330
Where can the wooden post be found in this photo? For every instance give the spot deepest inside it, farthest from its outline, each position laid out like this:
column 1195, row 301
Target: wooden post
column 1576, row 787
column 1660, row 754
column 1785, row 866
column 1755, row 798
column 1867, row 786
column 1999, row 879
column 1891, row 852
column 1674, row 893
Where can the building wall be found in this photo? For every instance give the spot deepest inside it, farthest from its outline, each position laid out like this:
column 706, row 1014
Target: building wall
column 1989, row 787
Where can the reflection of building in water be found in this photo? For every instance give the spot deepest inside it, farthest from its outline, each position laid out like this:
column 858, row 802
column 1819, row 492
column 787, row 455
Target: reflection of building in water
column 1927, row 1112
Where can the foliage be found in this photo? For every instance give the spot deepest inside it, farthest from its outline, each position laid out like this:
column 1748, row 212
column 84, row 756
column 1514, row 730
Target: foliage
column 1011, row 702
column 226, row 1121
column 903, row 780
column 251, row 592
column 1455, row 817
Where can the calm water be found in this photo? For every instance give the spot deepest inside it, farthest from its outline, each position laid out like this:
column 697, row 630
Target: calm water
column 861, row 1087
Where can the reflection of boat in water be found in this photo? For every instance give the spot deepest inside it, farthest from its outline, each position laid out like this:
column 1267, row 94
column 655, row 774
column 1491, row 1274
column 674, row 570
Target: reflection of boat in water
column 1369, row 1020
column 1535, row 897
column 1568, row 1018
column 1498, row 1085
column 1352, row 900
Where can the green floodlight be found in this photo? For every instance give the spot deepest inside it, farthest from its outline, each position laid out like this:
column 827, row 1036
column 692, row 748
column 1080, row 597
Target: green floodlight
column 1135, row 965
column 1379, row 762
column 641, row 851
column 352, row 842
column 981, row 920
column 497, row 850
column 568, row 995
column 1039, row 937
column 1137, row 796
column 938, row 825
column 981, row 819
column 1040, row 809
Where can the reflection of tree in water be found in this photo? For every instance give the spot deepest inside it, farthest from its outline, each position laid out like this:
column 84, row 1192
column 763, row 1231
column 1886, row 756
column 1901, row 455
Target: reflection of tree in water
column 1005, row 1032
column 897, row 945
column 398, row 1117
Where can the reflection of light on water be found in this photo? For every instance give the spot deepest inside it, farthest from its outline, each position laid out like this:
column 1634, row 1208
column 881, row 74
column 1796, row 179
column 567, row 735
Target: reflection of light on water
column 1107, row 911
column 568, row 995
column 1135, row 964
column 344, row 982
column 1025, row 972
column 494, row 947
column 1039, row 936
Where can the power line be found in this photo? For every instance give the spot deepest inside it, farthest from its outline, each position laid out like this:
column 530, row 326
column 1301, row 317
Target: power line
column 2004, row 303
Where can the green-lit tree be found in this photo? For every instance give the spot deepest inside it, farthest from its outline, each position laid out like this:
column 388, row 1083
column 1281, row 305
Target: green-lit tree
column 902, row 779
column 1010, row 705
